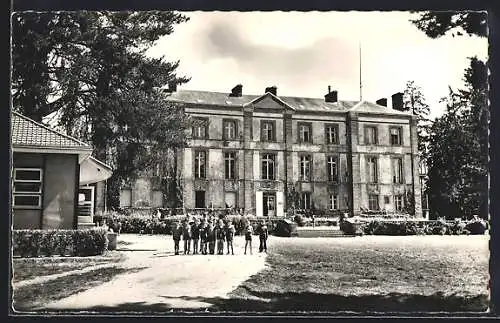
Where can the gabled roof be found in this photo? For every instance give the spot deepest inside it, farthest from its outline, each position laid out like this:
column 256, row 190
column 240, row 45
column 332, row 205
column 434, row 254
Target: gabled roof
column 223, row 99
column 369, row 107
column 31, row 134
column 219, row 99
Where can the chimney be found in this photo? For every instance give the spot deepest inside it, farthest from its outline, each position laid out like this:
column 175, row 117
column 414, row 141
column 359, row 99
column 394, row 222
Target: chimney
column 382, row 102
column 172, row 86
column 397, row 101
column 237, row 90
column 331, row 96
column 272, row 89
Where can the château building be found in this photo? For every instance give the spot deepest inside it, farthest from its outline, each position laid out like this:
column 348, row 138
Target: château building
column 256, row 152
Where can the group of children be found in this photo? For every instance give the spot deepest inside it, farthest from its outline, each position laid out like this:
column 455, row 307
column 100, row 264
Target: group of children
column 205, row 236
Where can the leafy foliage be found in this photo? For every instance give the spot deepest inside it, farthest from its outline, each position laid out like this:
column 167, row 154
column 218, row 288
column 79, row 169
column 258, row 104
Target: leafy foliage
column 35, row 243
column 90, row 70
column 436, row 24
column 414, row 101
column 458, row 147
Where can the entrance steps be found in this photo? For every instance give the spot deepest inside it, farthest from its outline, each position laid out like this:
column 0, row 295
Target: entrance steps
column 321, row 232
column 85, row 222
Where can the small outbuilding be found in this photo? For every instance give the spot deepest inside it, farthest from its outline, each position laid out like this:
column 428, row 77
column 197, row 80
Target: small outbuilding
column 53, row 177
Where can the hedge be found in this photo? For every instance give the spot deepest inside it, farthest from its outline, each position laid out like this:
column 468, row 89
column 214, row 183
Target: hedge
column 81, row 242
column 419, row 228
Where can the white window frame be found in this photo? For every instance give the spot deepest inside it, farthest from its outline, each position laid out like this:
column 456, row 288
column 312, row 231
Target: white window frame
column 270, row 161
column 305, row 203
column 399, row 134
column 397, row 170
column 268, row 130
column 230, row 162
column 303, row 129
column 372, row 163
column 305, row 168
column 332, row 162
column 376, row 199
column 200, row 156
column 398, row 203
column 229, row 129
column 334, row 202
column 331, row 134
column 27, row 193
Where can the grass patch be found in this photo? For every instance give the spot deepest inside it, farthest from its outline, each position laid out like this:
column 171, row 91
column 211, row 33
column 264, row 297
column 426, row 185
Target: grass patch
column 371, row 274
column 25, row 299
column 29, row 268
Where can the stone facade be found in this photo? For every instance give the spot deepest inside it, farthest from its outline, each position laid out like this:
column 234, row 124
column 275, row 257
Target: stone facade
column 381, row 175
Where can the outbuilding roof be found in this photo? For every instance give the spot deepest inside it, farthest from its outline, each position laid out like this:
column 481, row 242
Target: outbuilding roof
column 29, row 133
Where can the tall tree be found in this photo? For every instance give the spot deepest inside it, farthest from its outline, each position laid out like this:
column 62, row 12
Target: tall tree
column 414, row 101
column 91, row 69
column 436, row 24
column 458, row 144
column 457, row 160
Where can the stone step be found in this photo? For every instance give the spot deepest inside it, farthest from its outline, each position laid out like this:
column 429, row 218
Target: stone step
column 86, row 225
column 320, row 233
column 85, row 219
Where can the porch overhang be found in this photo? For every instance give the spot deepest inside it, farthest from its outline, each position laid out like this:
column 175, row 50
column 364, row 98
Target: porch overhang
column 93, row 170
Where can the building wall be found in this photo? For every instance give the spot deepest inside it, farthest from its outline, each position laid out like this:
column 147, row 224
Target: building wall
column 60, row 177
column 27, row 218
column 352, row 188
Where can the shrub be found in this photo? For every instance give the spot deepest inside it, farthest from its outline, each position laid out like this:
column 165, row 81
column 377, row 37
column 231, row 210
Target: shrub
column 140, row 224
column 35, row 243
column 476, row 227
column 299, row 219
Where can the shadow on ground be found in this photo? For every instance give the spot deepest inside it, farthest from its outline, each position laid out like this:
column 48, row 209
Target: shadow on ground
column 298, row 302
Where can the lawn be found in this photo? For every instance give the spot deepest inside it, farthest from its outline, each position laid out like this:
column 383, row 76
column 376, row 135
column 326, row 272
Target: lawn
column 29, row 268
column 31, row 297
column 369, row 274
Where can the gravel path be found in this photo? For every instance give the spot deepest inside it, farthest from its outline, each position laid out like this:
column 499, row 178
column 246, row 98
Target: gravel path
column 169, row 280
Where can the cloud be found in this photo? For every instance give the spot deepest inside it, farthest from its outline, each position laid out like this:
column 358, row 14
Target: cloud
column 325, row 59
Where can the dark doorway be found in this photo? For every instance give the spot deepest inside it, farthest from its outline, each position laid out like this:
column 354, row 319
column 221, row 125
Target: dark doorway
column 199, row 200
column 269, row 207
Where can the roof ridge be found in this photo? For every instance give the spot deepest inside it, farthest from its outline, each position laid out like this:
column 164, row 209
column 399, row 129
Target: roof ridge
column 50, row 129
column 260, row 95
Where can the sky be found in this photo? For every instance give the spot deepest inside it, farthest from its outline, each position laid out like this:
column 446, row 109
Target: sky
column 302, row 53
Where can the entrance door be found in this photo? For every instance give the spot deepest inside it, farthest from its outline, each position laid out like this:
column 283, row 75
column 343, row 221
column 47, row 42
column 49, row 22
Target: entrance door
column 86, row 201
column 199, row 200
column 269, row 204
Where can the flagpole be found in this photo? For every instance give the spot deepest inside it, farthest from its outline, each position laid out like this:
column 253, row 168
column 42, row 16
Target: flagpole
column 360, row 79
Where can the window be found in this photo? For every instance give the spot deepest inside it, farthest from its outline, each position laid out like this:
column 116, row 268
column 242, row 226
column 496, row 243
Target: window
column 268, row 166
column 334, row 202
column 230, row 165
column 27, row 188
column 200, row 164
column 370, row 135
column 372, row 169
column 332, row 168
column 373, row 202
column 200, row 129
column 199, row 199
column 332, row 134
column 395, row 136
column 305, row 133
column 398, row 202
column 397, row 170
column 305, row 201
column 305, row 168
column 229, row 129
column 267, row 128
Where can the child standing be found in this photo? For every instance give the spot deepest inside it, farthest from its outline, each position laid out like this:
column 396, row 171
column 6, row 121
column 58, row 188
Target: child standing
column 186, row 235
column 248, row 237
column 220, row 233
column 263, row 234
column 203, row 237
column 176, row 234
column 211, row 238
column 196, row 235
column 230, row 231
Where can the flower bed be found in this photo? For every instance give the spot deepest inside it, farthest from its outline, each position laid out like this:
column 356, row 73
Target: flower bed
column 81, row 242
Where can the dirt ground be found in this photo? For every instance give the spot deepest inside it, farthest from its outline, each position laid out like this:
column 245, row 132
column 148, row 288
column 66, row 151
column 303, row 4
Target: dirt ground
column 169, row 281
